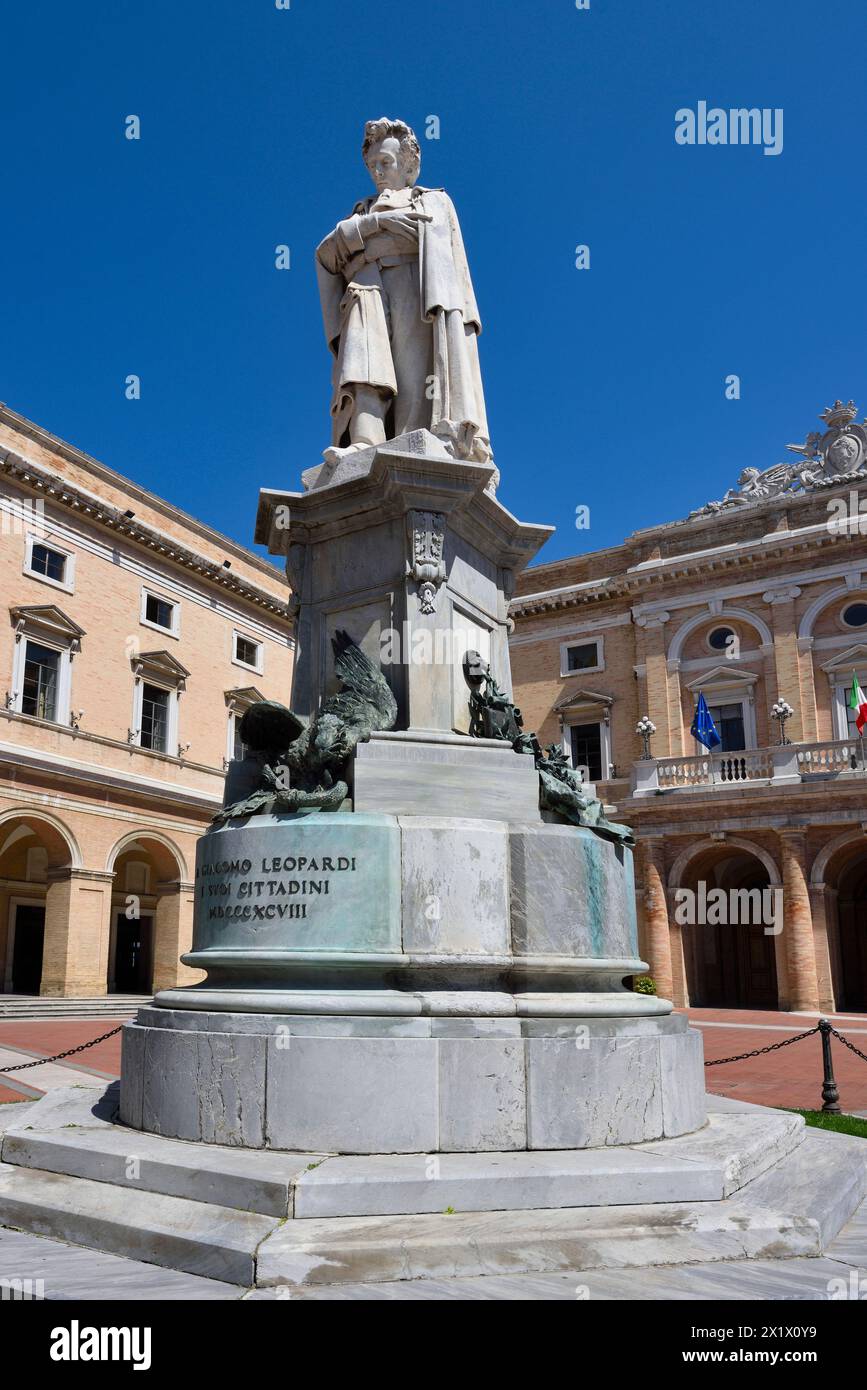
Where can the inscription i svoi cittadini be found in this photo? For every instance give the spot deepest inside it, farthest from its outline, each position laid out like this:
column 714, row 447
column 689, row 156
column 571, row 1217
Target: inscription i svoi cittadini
column 235, row 881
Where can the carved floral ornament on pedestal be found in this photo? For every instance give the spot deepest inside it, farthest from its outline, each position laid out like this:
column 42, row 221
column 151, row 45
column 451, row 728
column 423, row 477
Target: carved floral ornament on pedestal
column 825, row 459
column 426, row 564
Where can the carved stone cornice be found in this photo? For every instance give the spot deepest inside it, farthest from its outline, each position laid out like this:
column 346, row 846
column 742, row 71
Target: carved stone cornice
column 75, row 499
column 721, row 564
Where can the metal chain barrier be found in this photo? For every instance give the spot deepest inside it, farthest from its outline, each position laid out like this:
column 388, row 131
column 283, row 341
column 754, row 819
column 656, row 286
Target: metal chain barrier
column 758, row 1051
column 58, row 1056
column 830, row 1093
column 851, row 1046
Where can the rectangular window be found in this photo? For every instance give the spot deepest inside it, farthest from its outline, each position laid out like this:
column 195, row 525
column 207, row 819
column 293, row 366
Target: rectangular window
column 843, row 692
column 586, row 740
column 239, row 749
column 39, row 690
column 248, row 652
column 154, row 718
column 729, row 721
column 583, row 657
column 48, row 562
column 159, row 611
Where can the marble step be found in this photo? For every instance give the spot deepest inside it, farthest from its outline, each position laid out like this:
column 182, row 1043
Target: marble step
column 728, row 1153
column 794, row 1210
column 25, row 1007
column 196, row 1237
column 72, row 1131
column 729, row 1280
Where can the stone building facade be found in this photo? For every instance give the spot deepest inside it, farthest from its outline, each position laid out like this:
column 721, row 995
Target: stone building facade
column 135, row 637
column 757, row 599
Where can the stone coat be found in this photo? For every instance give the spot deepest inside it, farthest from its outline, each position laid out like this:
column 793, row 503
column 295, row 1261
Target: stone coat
column 358, row 321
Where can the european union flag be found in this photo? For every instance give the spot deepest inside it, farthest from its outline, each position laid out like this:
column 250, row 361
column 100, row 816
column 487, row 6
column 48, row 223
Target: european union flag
column 703, row 728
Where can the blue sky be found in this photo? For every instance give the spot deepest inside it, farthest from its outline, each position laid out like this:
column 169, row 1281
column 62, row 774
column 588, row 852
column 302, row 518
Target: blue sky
column 605, row 387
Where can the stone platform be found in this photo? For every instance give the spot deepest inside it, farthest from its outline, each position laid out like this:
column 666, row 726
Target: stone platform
column 365, row 1085
column 751, row 1184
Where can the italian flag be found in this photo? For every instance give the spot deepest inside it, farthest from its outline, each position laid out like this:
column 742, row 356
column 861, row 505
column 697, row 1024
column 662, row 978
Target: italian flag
column 858, row 702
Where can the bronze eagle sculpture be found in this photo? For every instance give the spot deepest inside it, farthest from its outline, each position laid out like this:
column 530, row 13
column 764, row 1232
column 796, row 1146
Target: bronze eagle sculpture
column 303, row 765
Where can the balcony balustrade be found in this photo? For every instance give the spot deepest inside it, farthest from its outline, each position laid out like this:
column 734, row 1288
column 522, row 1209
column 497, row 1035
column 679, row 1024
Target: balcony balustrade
column 783, row 764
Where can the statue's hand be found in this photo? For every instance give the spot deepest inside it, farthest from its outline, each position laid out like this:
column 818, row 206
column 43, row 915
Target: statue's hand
column 402, row 224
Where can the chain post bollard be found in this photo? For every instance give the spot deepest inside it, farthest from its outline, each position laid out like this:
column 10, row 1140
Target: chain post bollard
column 830, row 1094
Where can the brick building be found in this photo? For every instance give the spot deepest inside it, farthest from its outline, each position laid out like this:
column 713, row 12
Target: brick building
column 135, row 638
column 757, row 599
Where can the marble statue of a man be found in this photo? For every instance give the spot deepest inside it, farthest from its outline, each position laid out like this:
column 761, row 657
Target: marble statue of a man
column 399, row 311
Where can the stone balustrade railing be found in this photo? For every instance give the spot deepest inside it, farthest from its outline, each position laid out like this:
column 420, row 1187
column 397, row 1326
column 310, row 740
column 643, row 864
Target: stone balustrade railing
column 785, row 763
column 842, row 756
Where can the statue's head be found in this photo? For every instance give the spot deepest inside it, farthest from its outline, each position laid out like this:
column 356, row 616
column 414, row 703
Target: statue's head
column 392, row 154
column 749, row 475
column 330, row 737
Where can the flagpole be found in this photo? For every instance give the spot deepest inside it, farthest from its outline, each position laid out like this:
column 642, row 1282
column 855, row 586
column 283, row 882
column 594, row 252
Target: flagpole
column 856, row 702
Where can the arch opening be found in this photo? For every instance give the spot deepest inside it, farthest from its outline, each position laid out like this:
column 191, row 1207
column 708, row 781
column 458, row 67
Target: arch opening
column 31, row 846
column 845, row 892
column 728, row 910
column 145, row 869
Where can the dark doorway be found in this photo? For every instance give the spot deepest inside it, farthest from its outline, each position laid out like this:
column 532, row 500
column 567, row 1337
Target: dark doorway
column 729, row 723
column 852, row 917
column 27, row 948
column 133, row 966
column 735, row 963
column 586, row 740
column 739, row 970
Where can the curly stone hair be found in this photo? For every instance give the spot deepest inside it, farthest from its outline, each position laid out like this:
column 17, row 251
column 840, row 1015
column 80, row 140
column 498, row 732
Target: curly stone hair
column 383, row 129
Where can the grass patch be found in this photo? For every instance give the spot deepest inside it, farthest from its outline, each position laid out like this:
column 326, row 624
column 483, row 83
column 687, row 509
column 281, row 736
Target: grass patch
column 841, row 1124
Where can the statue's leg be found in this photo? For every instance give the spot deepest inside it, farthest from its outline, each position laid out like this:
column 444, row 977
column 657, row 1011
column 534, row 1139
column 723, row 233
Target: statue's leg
column 411, row 348
column 367, row 425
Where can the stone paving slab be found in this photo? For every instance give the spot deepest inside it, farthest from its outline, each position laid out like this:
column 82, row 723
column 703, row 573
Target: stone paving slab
column 13, row 1113
column 851, row 1243
column 70, row 1273
column 49, row 1074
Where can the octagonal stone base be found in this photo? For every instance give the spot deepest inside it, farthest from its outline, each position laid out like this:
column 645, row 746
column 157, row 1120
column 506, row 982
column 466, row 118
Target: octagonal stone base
column 360, row 1085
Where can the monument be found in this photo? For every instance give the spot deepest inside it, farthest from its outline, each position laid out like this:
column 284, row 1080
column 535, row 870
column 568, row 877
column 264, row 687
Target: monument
column 438, row 917
column 416, row 1037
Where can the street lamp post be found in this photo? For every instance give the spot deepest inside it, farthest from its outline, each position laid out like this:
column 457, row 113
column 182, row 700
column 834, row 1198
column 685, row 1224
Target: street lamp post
column 647, row 729
column 782, row 711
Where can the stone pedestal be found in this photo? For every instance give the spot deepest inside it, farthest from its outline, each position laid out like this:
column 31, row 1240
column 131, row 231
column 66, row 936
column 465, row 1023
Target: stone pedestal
column 412, row 984
column 439, row 966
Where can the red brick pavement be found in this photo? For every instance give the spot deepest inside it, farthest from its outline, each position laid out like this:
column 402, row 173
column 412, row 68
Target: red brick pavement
column 45, row 1038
